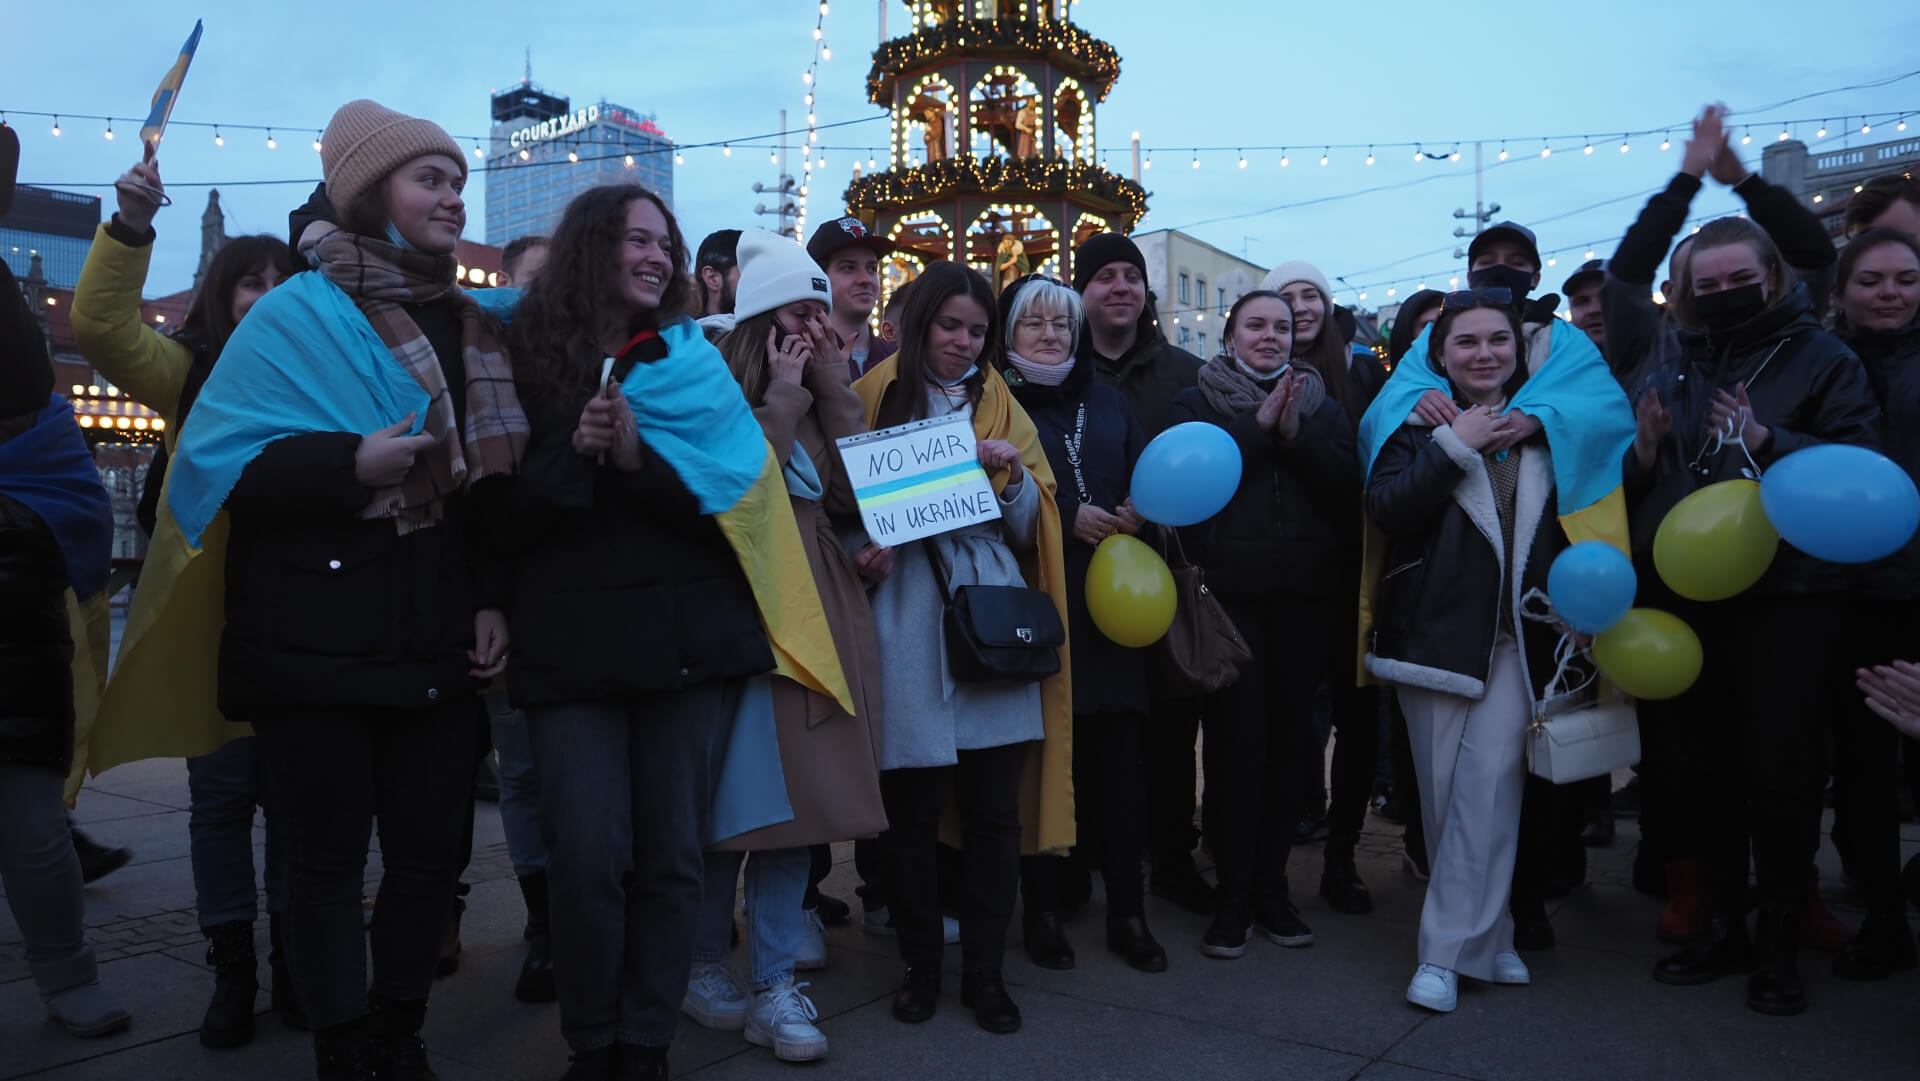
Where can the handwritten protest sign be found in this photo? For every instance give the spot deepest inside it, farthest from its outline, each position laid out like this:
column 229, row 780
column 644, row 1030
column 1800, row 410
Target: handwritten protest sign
column 918, row 479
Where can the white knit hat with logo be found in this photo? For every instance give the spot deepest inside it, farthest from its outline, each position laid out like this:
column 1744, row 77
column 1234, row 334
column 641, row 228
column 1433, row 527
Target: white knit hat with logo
column 776, row 271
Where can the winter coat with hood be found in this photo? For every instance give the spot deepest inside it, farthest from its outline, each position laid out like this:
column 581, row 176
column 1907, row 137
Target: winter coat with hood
column 1892, row 362
column 1806, row 387
column 1293, row 524
column 1091, row 439
column 36, row 644
column 1448, row 571
column 1149, row 375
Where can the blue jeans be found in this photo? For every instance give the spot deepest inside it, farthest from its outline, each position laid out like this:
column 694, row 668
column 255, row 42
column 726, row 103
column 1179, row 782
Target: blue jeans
column 776, row 882
column 38, row 865
column 519, row 788
column 626, row 788
column 223, row 787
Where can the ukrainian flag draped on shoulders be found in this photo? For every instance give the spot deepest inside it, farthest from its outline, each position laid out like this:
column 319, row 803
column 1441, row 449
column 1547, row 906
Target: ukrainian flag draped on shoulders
column 1046, row 779
column 1586, row 417
column 690, row 412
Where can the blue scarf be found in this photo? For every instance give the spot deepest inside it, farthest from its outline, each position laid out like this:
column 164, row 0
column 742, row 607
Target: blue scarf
column 49, row 469
column 1586, row 416
column 690, row 412
column 303, row 360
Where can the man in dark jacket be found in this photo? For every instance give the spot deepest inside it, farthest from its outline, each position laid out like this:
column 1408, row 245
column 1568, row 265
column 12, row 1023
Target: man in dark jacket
column 1123, row 345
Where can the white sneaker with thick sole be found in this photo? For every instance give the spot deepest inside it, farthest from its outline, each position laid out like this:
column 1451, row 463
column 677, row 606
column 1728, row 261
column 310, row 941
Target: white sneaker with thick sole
column 782, row 1020
column 812, row 954
column 713, row 999
column 879, row 922
column 1436, row 988
column 1509, row 968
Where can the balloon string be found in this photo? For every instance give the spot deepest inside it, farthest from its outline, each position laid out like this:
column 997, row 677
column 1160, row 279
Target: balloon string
column 1535, row 605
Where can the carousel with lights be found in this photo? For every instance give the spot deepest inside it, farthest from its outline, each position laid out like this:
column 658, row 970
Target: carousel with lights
column 992, row 159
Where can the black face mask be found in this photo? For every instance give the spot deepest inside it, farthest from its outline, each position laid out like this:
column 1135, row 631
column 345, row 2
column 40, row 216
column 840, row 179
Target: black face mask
column 1514, row 279
column 1728, row 308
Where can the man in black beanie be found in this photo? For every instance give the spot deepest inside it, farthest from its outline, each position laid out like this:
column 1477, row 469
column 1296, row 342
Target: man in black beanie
column 1124, row 344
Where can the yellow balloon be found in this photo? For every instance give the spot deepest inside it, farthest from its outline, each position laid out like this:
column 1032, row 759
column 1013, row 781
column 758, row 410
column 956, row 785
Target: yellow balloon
column 1649, row 654
column 1715, row 543
column 1130, row 592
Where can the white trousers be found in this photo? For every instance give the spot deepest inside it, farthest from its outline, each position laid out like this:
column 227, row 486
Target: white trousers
column 1471, row 760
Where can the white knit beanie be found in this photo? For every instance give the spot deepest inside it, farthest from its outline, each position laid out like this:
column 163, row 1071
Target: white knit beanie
column 1297, row 270
column 776, row 271
column 365, row 141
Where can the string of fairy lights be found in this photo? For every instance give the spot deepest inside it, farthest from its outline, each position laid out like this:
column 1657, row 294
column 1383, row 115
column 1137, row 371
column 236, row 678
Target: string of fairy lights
column 821, row 53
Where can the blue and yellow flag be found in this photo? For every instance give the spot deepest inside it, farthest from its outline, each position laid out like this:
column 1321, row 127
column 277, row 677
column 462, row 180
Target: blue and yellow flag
column 169, row 90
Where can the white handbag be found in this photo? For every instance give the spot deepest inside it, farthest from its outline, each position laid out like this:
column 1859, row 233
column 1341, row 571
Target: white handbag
column 1572, row 739
column 1592, row 741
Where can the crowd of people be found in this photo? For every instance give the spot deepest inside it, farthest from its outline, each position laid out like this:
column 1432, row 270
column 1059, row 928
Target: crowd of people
column 596, row 521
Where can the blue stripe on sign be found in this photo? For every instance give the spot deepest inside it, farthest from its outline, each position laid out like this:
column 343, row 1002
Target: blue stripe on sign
column 888, row 487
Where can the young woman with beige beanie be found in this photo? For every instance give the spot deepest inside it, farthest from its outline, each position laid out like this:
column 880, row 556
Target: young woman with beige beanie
column 358, row 419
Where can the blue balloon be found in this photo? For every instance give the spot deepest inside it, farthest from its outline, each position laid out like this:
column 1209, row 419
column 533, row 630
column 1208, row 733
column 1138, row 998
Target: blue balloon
column 1592, row 586
column 1186, row 475
column 1841, row 503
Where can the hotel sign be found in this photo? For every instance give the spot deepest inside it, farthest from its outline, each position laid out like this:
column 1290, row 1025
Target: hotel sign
column 558, row 127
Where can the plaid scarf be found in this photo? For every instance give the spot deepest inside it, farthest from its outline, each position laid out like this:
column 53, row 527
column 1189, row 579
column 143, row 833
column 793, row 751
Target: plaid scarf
column 380, row 277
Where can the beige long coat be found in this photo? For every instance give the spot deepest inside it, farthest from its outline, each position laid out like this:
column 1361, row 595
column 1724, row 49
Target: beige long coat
column 830, row 758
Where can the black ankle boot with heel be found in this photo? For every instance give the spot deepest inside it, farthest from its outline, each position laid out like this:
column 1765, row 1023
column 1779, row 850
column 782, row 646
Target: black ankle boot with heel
column 396, row 1050
column 229, row 1018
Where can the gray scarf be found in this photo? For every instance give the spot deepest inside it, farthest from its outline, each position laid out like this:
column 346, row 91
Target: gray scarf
column 1231, row 391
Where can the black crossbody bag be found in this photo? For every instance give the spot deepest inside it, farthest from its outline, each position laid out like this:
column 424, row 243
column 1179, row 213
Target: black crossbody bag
column 999, row 634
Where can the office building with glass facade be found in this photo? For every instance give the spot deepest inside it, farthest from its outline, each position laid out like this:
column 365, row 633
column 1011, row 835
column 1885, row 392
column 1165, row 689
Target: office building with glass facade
column 55, row 225
column 542, row 152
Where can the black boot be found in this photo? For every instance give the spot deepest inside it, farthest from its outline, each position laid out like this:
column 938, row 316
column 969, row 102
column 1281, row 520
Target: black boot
column 343, row 1052
column 1128, row 936
column 229, row 1019
column 536, row 972
column 918, row 995
column 286, row 997
column 1718, row 946
column 985, row 993
column 1883, row 946
column 1531, row 928
column 97, row 861
column 1277, row 918
column 1179, row 881
column 1046, row 940
column 599, row 1064
column 1775, row 986
column 641, row 1063
column 397, row 1053
column 450, row 942
column 1340, row 882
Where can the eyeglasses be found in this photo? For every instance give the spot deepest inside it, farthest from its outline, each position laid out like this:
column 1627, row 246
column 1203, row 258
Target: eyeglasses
column 1034, row 325
column 1474, row 298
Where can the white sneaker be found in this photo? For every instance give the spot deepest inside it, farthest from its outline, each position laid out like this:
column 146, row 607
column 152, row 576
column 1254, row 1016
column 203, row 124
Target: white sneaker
column 713, row 999
column 1508, row 968
column 1436, row 988
column 782, row 1019
column 879, row 922
column 812, row 953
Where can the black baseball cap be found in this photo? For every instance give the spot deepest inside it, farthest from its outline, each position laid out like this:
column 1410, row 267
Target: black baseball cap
column 1592, row 268
column 1506, row 230
column 847, row 232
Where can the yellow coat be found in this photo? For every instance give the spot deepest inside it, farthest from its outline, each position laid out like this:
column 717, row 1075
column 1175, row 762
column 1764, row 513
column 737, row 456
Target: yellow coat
column 1046, row 782
column 149, row 366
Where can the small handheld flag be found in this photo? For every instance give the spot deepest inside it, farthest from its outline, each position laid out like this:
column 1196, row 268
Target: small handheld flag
column 169, row 92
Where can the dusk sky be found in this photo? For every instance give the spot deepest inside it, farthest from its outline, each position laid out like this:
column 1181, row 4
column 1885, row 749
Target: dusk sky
column 1229, row 74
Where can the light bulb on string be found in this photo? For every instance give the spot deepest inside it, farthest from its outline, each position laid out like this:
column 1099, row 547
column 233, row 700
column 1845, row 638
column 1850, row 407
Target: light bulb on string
column 679, row 158
column 773, row 157
column 316, row 142
column 807, row 77
column 1284, row 160
column 1363, row 294
column 271, row 144
column 56, row 126
column 870, row 163
column 1589, row 253
column 524, row 155
column 816, row 33
column 109, row 131
column 1323, row 155
column 1453, row 282
column 1589, row 149
column 1902, row 125
column 1243, row 159
column 1553, row 260
column 478, row 153
column 1418, row 154
column 1148, row 164
column 1455, row 156
column 1822, row 133
column 826, row 53
column 1503, row 151
column 1666, row 142
column 1625, row 145
column 1391, row 291
column 1196, row 159
column 1545, row 150
column 629, row 161
column 726, row 151
column 573, row 155
column 1369, row 155
column 217, row 139
column 1783, row 135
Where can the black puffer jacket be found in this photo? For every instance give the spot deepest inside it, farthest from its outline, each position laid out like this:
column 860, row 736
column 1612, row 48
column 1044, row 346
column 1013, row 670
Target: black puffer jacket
column 1806, row 387
column 1108, row 677
column 1439, row 607
column 1893, row 369
column 328, row 609
column 1149, row 375
column 621, row 586
column 1293, row 525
